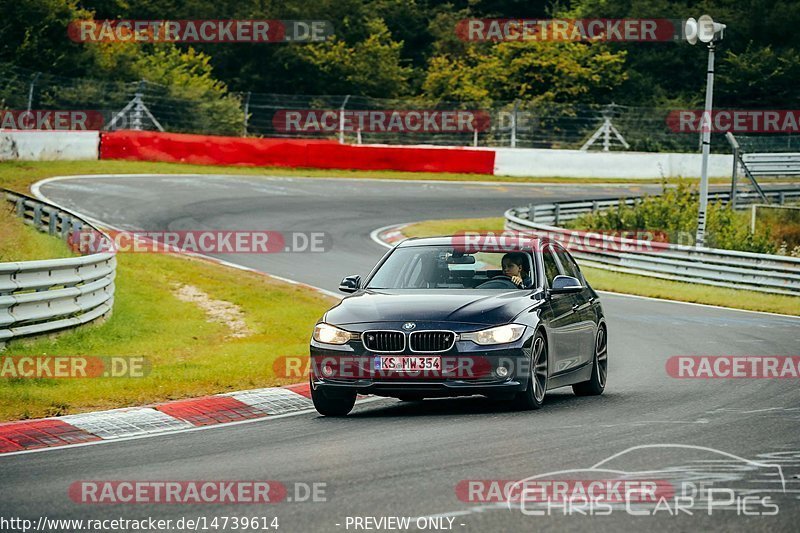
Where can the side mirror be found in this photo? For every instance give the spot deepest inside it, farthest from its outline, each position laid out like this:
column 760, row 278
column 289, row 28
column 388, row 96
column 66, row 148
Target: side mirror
column 350, row 284
column 565, row 285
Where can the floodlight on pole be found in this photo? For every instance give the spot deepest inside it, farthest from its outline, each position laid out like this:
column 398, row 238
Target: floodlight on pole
column 707, row 31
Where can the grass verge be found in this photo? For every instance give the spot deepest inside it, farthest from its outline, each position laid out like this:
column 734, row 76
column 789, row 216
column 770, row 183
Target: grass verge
column 20, row 242
column 631, row 284
column 188, row 354
column 18, row 175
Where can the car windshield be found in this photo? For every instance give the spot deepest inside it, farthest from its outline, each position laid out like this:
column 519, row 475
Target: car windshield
column 443, row 267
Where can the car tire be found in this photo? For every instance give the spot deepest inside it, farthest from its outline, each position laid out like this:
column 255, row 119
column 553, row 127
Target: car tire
column 597, row 383
column 328, row 403
column 533, row 396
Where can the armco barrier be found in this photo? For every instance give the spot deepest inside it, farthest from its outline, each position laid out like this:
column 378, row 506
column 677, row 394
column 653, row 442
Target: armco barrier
column 298, row 153
column 43, row 296
column 18, row 145
column 565, row 211
column 774, row 274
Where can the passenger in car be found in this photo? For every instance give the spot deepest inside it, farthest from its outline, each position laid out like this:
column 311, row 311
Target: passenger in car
column 515, row 266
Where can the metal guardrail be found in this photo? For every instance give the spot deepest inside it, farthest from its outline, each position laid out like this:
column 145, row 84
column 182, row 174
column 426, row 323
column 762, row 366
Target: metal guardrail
column 774, row 274
column 772, row 164
column 39, row 297
column 561, row 212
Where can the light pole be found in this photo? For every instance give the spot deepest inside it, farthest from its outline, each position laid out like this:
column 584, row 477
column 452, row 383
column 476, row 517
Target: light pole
column 705, row 30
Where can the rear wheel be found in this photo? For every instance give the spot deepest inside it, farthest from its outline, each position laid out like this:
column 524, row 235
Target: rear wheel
column 332, row 403
column 533, row 396
column 597, row 384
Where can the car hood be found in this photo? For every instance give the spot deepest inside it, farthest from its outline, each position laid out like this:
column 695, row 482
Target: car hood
column 466, row 306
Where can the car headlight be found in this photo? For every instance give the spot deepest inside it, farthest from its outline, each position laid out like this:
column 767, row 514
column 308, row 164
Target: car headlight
column 498, row 335
column 331, row 334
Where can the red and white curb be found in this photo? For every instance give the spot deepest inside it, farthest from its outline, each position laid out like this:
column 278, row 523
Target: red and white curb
column 167, row 417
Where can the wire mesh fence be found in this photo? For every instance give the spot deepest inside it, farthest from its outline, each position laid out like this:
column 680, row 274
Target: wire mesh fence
column 522, row 124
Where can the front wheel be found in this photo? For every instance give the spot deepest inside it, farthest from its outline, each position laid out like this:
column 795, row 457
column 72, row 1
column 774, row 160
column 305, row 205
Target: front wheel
column 332, row 403
column 597, row 383
column 533, row 396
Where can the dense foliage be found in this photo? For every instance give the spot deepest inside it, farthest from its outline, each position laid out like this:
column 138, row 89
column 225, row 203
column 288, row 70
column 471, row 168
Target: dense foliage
column 408, row 48
column 674, row 214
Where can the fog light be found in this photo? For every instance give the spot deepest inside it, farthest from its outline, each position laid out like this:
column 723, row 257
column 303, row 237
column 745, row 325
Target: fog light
column 327, row 370
column 501, row 371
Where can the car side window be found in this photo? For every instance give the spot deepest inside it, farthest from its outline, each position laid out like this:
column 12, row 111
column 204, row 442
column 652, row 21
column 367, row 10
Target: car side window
column 551, row 268
column 568, row 263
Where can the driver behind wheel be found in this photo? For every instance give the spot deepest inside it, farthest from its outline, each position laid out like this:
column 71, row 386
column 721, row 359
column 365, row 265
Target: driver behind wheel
column 515, row 266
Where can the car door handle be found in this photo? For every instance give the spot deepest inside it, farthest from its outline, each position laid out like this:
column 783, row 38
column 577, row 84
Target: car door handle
column 575, row 307
column 591, row 300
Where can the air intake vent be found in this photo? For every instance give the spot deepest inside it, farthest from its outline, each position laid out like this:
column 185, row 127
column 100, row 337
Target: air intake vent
column 384, row 341
column 432, row 341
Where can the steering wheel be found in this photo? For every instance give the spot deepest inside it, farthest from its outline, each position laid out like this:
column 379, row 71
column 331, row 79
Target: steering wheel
column 501, row 281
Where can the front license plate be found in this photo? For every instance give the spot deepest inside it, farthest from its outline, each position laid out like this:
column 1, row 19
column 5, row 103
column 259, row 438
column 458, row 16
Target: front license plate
column 402, row 363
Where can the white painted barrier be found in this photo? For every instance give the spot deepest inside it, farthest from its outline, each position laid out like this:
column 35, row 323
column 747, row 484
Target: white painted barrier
column 630, row 165
column 20, row 145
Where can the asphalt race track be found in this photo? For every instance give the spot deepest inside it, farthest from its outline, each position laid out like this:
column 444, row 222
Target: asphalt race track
column 406, row 459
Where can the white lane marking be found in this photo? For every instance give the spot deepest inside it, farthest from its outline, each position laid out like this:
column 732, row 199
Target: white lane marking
column 697, row 304
column 374, row 233
column 175, row 432
column 36, row 191
column 459, row 183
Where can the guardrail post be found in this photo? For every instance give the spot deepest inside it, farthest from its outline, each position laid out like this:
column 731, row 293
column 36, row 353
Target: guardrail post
column 21, row 207
column 66, row 222
column 77, row 225
column 557, row 214
column 37, row 215
column 53, row 218
column 532, row 212
column 781, row 198
column 595, row 207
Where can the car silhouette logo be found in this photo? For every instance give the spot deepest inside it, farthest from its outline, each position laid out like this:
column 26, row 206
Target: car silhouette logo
column 408, row 326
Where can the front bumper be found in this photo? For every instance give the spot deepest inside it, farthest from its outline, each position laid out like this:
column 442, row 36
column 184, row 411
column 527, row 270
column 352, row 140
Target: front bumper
column 467, row 369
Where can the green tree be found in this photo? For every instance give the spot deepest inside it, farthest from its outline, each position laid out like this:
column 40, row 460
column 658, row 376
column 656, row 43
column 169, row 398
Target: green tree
column 534, row 71
column 371, row 67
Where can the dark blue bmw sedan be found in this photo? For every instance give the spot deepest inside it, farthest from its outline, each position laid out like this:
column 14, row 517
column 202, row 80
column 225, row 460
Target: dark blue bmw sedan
column 452, row 316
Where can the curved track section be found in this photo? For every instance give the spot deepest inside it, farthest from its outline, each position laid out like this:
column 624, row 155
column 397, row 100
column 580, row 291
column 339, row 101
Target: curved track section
column 397, row 459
